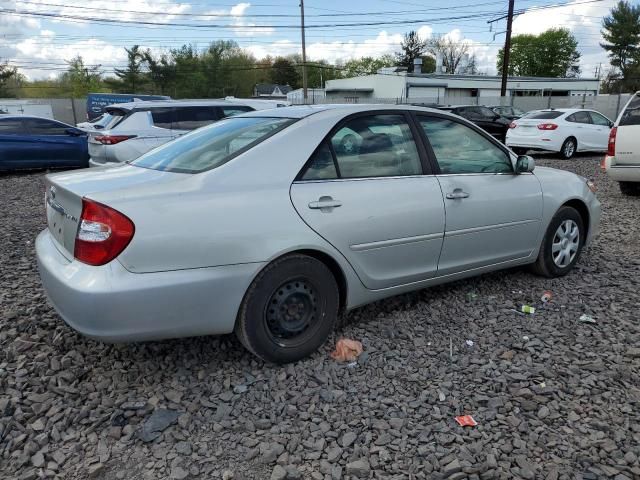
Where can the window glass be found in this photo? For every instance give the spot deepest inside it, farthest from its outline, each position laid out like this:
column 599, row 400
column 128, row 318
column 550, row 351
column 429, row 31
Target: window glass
column 212, row 146
column 544, row 114
column 162, row 117
column 321, row 166
column 231, row 111
column 487, row 112
column 598, row 119
column 459, row 149
column 631, row 114
column 190, row 118
column 579, row 117
column 517, row 111
column 11, row 126
column 376, row 146
column 39, row 126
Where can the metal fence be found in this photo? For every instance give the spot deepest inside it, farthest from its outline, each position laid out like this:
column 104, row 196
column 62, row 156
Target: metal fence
column 608, row 105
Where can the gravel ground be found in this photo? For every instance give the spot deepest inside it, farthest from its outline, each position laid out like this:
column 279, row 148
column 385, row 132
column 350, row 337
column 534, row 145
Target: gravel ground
column 553, row 397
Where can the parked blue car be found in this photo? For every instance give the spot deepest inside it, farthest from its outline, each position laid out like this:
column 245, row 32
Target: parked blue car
column 34, row 142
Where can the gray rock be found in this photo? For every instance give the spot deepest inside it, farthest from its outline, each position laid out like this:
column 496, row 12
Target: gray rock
column 348, row 439
column 359, row 469
column 37, row 460
column 179, row 473
column 159, row 421
column 278, row 473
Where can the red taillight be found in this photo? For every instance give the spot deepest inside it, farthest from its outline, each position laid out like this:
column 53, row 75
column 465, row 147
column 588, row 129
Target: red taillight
column 547, row 126
column 513, row 125
column 611, row 148
column 102, row 235
column 112, row 139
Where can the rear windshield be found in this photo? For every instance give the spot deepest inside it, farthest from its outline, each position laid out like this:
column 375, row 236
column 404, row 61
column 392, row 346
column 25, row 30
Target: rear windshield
column 631, row 114
column 546, row 114
column 212, row 146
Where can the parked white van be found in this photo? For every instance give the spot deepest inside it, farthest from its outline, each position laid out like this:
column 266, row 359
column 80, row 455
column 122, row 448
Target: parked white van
column 137, row 127
column 622, row 162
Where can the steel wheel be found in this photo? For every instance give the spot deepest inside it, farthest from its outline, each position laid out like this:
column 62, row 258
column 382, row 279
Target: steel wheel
column 291, row 310
column 565, row 243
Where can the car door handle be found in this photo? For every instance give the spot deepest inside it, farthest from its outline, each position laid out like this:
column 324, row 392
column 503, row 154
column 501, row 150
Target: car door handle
column 325, row 204
column 456, row 194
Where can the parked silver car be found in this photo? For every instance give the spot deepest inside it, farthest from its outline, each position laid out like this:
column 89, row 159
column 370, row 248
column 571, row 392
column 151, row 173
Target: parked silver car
column 271, row 223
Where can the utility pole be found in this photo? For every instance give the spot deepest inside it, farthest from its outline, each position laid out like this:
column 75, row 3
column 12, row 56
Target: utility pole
column 304, row 54
column 507, row 48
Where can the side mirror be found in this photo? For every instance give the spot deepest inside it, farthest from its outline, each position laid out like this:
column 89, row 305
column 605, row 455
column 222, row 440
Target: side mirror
column 525, row 164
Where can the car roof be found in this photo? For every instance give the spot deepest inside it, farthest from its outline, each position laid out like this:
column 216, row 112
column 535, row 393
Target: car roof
column 174, row 103
column 302, row 111
column 15, row 116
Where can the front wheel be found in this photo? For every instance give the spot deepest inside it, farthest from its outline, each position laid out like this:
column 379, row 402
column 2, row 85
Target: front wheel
column 568, row 148
column 630, row 188
column 289, row 309
column 561, row 245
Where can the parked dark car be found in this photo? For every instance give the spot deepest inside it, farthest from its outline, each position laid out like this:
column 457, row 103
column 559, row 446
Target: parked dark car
column 484, row 117
column 34, row 142
column 512, row 113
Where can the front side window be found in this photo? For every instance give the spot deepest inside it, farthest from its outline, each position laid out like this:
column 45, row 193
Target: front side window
column 376, row 146
column 212, row 146
column 598, row 119
column 10, row 126
column 460, row 149
column 38, row 126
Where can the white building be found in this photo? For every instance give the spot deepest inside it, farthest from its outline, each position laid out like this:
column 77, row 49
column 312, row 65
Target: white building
column 392, row 84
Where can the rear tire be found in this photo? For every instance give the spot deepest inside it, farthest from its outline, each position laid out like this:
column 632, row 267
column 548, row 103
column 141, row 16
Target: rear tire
column 561, row 245
column 630, row 188
column 289, row 310
column 568, row 148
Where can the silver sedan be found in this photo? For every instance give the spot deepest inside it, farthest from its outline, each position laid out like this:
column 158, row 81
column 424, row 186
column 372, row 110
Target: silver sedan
column 271, row 223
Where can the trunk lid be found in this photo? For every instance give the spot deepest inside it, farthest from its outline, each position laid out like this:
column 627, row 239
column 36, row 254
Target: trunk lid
column 529, row 128
column 64, row 193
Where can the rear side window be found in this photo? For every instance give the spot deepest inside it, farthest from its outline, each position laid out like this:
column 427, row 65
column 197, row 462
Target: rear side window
column 210, row 147
column 631, row 114
column 11, row 126
column 231, row 111
column 544, row 114
column 322, row 166
column 184, row 118
column 38, row 126
column 579, row 117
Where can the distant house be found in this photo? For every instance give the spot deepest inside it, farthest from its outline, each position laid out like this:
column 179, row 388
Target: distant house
column 271, row 90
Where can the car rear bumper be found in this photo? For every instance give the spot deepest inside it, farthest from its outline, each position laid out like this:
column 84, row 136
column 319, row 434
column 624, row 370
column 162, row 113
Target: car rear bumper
column 533, row 143
column 111, row 304
column 622, row 173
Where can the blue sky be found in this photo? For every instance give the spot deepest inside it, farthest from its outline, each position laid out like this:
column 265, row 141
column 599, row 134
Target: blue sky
column 39, row 45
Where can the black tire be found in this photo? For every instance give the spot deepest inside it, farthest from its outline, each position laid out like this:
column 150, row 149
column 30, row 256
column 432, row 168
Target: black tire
column 568, row 148
column 630, row 188
column 305, row 297
column 545, row 264
column 519, row 150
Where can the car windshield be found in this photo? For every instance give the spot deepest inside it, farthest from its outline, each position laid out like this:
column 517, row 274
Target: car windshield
column 211, row 146
column 544, row 114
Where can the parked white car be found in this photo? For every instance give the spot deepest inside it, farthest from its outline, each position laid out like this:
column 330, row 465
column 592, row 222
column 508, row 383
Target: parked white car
column 562, row 130
column 138, row 127
column 622, row 162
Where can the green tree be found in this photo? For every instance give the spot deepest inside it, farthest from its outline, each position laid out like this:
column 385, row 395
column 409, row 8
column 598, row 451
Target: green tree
column 412, row 47
column 82, row 79
column 132, row 77
column 7, row 73
column 283, row 72
column 621, row 34
column 553, row 53
column 162, row 71
column 367, row 65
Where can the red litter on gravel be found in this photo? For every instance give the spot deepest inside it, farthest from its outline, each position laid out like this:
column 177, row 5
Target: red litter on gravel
column 546, row 296
column 466, row 421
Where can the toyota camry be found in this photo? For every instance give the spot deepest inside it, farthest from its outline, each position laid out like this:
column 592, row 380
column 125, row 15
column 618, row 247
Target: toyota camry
column 272, row 223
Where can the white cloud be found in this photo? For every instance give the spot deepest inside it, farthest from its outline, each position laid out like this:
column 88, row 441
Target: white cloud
column 239, row 9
